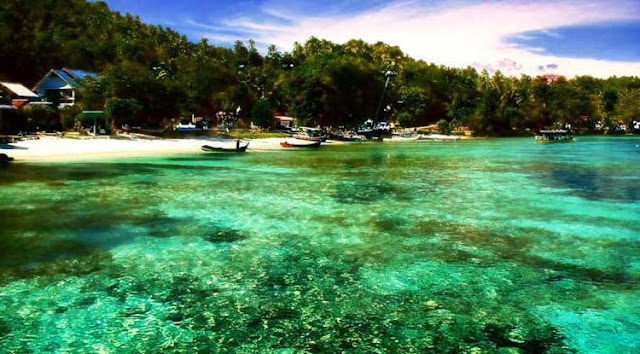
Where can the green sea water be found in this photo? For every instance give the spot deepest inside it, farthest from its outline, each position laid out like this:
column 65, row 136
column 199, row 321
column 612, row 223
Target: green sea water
column 496, row 246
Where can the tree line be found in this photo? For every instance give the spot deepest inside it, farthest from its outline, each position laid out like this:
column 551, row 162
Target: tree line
column 151, row 75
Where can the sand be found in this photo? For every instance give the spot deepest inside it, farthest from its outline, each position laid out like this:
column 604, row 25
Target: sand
column 50, row 149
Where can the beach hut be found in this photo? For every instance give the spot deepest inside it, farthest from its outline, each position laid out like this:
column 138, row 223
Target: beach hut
column 91, row 116
column 60, row 85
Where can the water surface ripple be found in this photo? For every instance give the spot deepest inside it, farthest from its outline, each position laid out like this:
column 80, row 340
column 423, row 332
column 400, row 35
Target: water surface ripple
column 498, row 246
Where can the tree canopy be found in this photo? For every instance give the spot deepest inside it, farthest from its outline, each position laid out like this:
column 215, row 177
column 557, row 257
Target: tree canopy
column 151, row 74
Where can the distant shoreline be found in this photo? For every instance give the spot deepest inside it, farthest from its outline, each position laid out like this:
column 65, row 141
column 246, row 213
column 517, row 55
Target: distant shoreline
column 55, row 149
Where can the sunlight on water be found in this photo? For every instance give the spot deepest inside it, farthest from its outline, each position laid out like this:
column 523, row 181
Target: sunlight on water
column 490, row 245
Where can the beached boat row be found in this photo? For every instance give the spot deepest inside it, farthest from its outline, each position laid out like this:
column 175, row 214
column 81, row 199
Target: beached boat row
column 240, row 147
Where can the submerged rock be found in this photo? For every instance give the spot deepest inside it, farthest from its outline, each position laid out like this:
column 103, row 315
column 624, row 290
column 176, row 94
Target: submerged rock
column 4, row 328
column 223, row 236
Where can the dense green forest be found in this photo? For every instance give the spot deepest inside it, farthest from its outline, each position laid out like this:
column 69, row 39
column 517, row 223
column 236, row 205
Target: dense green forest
column 150, row 75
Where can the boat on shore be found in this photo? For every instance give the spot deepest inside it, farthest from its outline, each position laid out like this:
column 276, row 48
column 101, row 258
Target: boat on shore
column 440, row 137
column 4, row 158
column 311, row 134
column 236, row 148
column 373, row 131
column 309, row 138
column 554, row 136
column 403, row 138
column 286, row 144
column 346, row 136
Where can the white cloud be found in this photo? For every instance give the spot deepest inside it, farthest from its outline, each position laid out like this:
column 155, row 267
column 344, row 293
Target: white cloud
column 456, row 35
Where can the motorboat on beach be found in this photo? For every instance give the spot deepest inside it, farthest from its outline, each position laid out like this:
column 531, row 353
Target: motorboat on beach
column 311, row 134
column 554, row 136
column 288, row 144
column 5, row 159
column 439, row 137
column 340, row 135
column 226, row 148
column 403, row 138
column 374, row 131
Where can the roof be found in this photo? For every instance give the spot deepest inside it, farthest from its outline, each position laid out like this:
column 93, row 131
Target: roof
column 19, row 102
column 7, row 106
column 90, row 115
column 66, row 79
column 18, row 89
column 79, row 74
column 284, row 118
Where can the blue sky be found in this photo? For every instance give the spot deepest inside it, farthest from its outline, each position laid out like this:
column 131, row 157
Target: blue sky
column 570, row 37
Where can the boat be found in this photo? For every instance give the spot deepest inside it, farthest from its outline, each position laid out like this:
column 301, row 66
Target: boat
column 346, row 136
column 374, row 131
column 440, row 137
column 403, row 138
column 311, row 134
column 287, row 144
column 554, row 136
column 309, row 138
column 186, row 127
column 236, row 148
column 5, row 159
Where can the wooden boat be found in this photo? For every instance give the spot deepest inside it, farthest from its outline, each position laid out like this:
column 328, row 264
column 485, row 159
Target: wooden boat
column 237, row 148
column 439, row 137
column 5, row 159
column 403, row 138
column 310, row 138
column 287, row 144
column 554, row 136
column 311, row 134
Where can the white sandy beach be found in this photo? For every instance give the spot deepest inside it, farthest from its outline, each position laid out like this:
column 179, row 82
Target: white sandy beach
column 64, row 149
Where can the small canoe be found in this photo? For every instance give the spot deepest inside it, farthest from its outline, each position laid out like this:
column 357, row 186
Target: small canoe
column 287, row 144
column 208, row 148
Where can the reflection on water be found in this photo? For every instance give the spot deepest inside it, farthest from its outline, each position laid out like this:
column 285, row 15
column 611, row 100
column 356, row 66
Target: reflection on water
column 496, row 246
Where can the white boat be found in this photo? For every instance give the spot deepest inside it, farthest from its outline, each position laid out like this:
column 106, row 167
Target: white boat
column 186, row 127
column 403, row 138
column 554, row 136
column 439, row 137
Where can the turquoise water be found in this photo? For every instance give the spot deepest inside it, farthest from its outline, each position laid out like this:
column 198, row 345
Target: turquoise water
column 498, row 246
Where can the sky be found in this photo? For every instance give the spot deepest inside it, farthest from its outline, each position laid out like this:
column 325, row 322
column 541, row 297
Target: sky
column 567, row 37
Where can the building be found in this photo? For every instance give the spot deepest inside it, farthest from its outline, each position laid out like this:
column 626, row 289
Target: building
column 15, row 94
column 284, row 121
column 59, row 86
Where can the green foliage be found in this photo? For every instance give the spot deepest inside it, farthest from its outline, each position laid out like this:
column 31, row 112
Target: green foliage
column 628, row 108
column 262, row 114
column 68, row 116
column 413, row 109
column 122, row 110
column 444, row 126
column 319, row 82
column 41, row 116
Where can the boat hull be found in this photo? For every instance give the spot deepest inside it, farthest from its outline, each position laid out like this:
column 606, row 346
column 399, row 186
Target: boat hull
column 207, row 148
column 541, row 141
column 286, row 144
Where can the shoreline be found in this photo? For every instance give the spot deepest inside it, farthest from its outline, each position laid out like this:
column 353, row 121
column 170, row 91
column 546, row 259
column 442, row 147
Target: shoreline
column 56, row 149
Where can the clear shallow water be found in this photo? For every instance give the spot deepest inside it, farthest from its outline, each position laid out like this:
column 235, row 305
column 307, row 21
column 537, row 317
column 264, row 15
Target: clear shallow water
column 477, row 246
